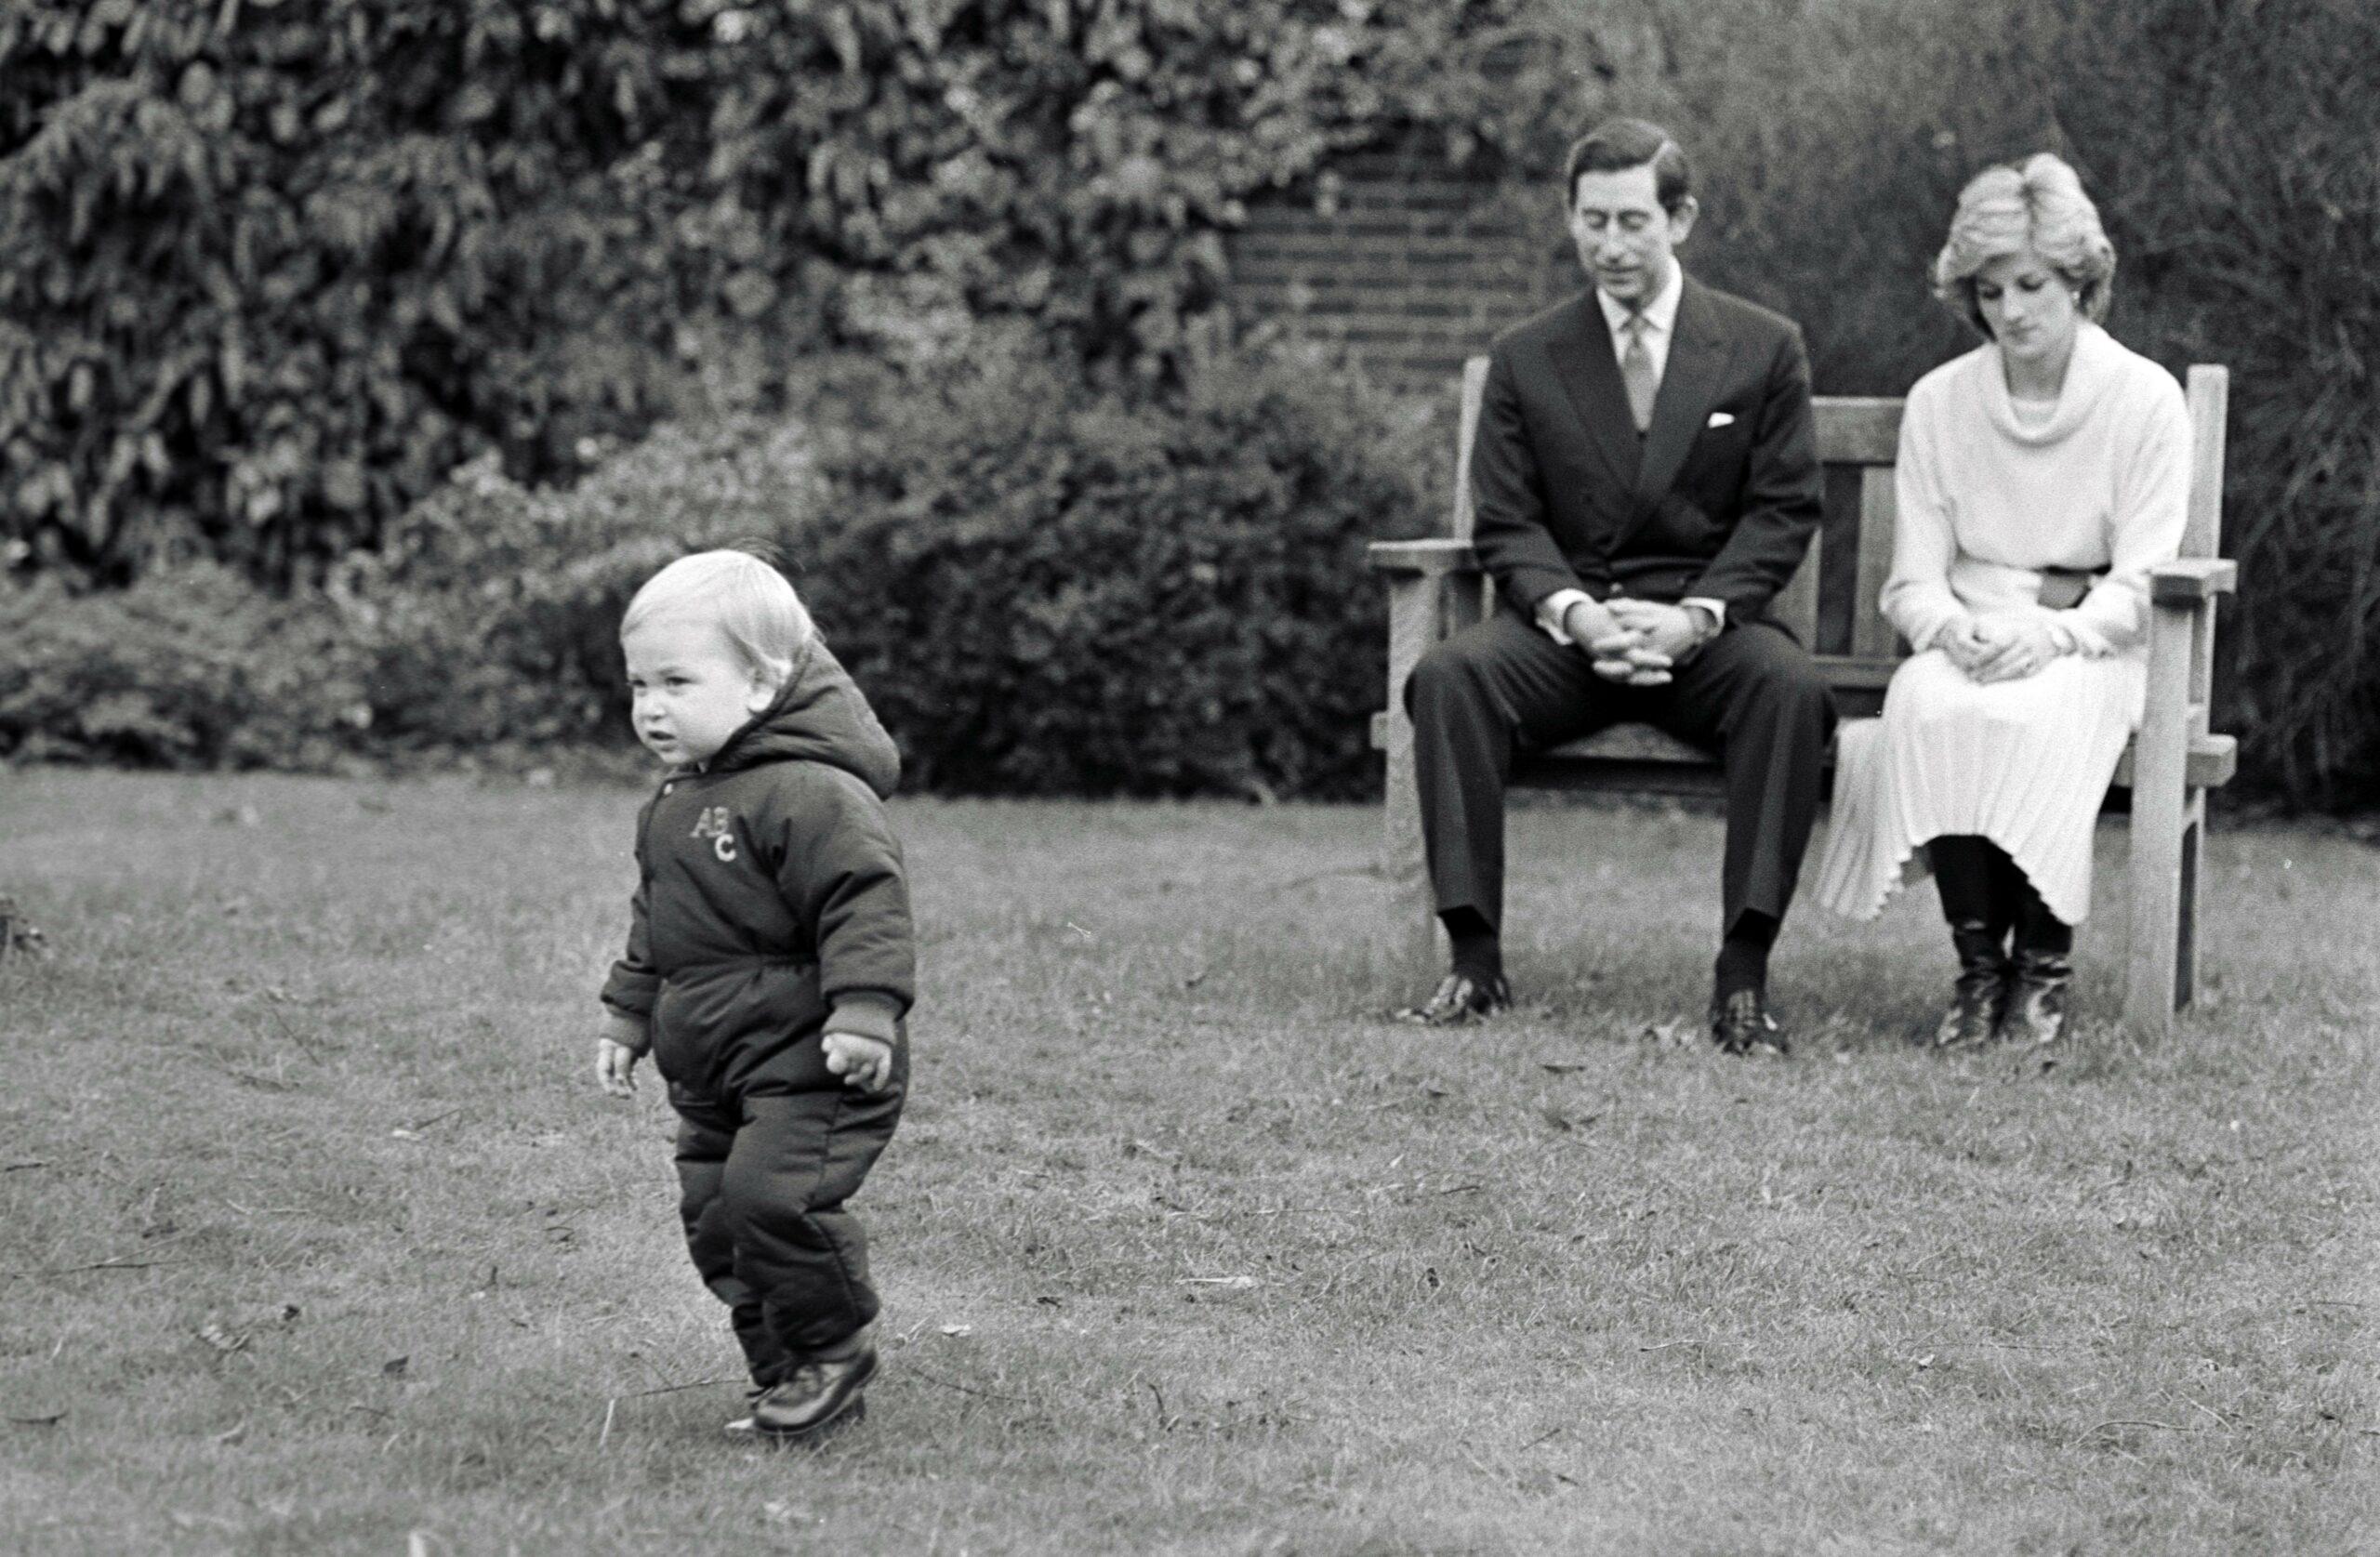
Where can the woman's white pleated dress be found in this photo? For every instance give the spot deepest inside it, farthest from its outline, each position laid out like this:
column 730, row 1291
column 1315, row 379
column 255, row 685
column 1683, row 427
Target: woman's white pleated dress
column 1987, row 502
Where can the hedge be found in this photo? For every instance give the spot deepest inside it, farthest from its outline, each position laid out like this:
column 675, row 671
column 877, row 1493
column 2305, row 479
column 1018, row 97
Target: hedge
column 193, row 666
column 1049, row 590
column 1045, row 588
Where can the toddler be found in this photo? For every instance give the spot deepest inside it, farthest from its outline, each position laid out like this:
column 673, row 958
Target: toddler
column 769, row 966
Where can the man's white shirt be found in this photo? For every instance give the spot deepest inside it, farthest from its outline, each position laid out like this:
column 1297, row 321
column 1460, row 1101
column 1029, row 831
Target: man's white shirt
column 1660, row 327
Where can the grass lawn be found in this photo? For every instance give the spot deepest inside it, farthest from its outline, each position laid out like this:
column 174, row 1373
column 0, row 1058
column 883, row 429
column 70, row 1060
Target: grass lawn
column 316, row 1237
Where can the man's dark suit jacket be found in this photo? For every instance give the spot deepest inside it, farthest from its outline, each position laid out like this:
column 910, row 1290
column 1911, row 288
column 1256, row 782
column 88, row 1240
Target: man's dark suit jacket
column 1568, row 496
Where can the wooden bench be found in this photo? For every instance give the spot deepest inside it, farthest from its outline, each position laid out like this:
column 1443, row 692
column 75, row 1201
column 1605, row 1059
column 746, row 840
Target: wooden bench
column 1435, row 587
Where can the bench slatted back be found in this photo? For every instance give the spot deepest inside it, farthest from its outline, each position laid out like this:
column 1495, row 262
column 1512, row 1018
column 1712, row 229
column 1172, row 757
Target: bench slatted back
column 1831, row 603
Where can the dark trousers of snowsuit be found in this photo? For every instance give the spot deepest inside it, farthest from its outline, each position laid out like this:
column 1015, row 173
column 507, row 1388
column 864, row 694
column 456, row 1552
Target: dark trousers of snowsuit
column 762, row 1186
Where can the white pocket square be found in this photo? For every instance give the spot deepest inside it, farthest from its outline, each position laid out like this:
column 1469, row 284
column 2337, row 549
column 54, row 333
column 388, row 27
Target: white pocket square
column 1721, row 419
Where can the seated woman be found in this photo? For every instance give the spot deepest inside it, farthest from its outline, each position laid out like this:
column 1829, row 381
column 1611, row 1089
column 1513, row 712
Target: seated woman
column 2040, row 477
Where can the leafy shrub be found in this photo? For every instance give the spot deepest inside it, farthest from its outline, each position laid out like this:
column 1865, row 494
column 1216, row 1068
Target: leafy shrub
column 490, row 618
column 485, row 630
column 191, row 667
column 274, row 271
column 2235, row 160
column 1046, row 588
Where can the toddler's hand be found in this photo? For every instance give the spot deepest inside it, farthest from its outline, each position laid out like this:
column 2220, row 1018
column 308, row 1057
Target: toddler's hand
column 862, row 1062
column 615, row 1067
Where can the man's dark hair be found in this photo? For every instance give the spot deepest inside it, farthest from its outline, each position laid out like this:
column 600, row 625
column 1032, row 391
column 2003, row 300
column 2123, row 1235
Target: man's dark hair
column 1618, row 144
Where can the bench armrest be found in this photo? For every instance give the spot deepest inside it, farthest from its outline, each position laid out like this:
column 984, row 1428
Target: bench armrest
column 2192, row 579
column 1435, row 557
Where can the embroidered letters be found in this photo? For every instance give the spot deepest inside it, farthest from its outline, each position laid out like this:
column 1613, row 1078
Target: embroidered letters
column 718, row 824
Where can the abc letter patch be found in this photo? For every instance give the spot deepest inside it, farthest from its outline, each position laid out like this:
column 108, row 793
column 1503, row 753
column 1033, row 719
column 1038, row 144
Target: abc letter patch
column 718, row 824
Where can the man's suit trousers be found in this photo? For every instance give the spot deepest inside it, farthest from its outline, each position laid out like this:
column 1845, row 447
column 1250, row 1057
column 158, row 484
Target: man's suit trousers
column 763, row 1182
column 1492, row 690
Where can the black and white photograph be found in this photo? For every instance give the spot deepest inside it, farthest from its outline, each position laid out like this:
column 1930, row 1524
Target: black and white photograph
column 1240, row 778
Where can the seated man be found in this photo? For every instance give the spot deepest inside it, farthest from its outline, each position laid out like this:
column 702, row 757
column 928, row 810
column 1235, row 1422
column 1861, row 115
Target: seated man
column 1645, row 479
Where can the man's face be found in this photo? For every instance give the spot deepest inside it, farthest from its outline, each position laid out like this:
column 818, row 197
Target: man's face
column 1623, row 236
column 690, row 689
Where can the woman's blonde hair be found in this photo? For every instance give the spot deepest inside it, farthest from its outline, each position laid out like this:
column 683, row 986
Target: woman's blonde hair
column 739, row 594
column 2040, row 202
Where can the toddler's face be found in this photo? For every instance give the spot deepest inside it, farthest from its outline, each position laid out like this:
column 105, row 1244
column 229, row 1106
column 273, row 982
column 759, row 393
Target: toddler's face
column 690, row 689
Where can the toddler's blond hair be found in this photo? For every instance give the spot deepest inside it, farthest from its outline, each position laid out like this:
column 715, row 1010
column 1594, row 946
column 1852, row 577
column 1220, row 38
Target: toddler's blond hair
column 739, row 594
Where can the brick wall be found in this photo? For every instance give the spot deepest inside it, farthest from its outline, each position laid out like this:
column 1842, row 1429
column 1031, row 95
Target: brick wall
column 1409, row 274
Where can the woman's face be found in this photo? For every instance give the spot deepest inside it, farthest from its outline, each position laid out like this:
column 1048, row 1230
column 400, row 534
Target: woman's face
column 2031, row 310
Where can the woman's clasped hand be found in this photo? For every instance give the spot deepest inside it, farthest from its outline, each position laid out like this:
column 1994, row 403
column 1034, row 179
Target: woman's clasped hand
column 2000, row 648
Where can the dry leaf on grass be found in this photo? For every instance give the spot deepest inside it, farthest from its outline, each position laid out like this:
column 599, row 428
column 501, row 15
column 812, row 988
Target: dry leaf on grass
column 223, row 1341
column 19, row 934
column 408, row 1132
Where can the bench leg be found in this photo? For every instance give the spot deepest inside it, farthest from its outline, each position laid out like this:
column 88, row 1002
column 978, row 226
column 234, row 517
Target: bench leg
column 2168, row 850
column 1413, row 932
column 1415, row 622
column 2168, row 831
column 2187, row 903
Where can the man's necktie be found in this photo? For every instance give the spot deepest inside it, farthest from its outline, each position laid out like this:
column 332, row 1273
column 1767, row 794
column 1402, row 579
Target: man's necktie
column 1636, row 372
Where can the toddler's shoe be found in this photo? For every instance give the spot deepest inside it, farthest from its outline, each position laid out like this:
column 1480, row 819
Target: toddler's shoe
column 822, row 1392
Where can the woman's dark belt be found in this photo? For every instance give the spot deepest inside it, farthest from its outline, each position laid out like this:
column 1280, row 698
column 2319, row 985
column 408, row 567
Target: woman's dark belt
column 2064, row 588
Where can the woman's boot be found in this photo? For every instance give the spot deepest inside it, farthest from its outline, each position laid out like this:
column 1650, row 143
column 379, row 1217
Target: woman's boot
column 1981, row 997
column 2037, row 990
column 2037, row 993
